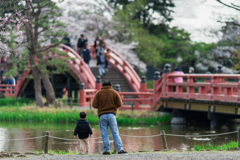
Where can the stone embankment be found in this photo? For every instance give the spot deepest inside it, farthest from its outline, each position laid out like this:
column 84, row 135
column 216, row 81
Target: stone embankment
column 168, row 155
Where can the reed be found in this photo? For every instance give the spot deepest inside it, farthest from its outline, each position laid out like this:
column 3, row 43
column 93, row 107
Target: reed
column 68, row 115
column 229, row 146
column 15, row 102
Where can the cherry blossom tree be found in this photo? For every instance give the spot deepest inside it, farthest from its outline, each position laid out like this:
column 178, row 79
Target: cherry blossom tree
column 95, row 18
column 29, row 24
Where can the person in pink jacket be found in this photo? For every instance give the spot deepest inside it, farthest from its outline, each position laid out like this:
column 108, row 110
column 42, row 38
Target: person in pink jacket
column 178, row 72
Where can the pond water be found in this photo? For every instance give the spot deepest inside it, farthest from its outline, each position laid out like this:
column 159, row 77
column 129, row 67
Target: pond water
column 27, row 130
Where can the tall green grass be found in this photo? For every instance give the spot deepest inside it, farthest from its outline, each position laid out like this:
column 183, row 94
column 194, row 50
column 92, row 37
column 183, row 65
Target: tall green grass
column 232, row 144
column 36, row 115
column 15, row 102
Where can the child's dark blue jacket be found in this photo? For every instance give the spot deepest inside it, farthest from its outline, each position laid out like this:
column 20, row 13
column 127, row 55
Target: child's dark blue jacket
column 83, row 129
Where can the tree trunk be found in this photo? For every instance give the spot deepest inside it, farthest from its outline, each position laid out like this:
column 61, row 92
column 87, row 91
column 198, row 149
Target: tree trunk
column 37, row 81
column 49, row 89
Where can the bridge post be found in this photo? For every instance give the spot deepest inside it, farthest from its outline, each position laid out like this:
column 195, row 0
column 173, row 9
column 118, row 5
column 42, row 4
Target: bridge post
column 69, row 87
column 190, row 89
column 98, row 83
column 155, row 82
column 238, row 89
column 166, row 89
column 118, row 89
column 221, row 80
column 143, row 88
column 82, row 93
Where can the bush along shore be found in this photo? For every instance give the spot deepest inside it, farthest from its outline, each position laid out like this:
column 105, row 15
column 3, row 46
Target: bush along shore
column 15, row 102
column 32, row 114
column 233, row 145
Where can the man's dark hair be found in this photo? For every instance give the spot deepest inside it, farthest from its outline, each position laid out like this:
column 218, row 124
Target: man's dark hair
column 82, row 35
column 108, row 50
column 107, row 83
column 82, row 114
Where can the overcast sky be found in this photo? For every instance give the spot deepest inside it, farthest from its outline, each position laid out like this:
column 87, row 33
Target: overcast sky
column 199, row 17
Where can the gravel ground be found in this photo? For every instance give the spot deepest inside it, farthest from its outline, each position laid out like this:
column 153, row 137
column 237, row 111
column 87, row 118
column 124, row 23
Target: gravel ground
column 202, row 155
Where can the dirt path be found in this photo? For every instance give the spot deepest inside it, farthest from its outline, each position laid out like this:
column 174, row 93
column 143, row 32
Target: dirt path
column 203, row 155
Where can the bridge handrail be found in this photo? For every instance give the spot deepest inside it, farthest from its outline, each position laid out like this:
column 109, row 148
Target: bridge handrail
column 127, row 70
column 87, row 76
column 215, row 89
column 119, row 63
column 206, row 75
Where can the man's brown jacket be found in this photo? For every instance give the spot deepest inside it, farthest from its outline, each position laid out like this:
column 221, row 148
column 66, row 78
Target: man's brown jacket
column 106, row 100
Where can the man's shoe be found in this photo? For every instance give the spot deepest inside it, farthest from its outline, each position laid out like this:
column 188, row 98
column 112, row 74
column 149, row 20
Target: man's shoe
column 122, row 152
column 87, row 152
column 80, row 153
column 106, row 153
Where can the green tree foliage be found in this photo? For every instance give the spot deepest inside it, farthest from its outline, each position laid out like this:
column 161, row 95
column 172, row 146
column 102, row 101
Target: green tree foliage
column 151, row 13
column 39, row 21
column 157, row 42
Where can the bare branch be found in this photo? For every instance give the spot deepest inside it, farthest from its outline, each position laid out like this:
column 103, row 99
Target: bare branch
column 228, row 5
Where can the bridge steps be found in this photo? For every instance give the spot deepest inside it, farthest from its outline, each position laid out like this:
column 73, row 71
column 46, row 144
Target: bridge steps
column 114, row 77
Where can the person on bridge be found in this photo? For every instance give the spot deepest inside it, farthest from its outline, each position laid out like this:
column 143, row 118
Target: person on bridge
column 66, row 40
column 107, row 101
column 101, row 46
column 191, row 71
column 86, row 55
column 81, row 43
column 177, row 71
column 100, row 64
column 97, row 40
column 107, row 58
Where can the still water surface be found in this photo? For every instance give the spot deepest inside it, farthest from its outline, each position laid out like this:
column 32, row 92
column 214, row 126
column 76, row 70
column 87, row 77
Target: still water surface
column 27, row 130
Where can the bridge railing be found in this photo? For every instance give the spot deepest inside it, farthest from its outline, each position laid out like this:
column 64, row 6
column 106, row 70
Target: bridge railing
column 12, row 90
column 119, row 63
column 143, row 100
column 215, row 89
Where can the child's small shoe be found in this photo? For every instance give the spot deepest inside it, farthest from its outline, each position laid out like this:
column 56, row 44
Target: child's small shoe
column 80, row 153
column 87, row 152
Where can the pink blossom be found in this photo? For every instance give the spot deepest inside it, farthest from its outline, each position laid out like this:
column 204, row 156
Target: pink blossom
column 20, row 33
column 25, row 20
column 5, row 19
column 18, row 27
column 5, row 59
column 20, row 56
column 19, row 14
column 12, row 20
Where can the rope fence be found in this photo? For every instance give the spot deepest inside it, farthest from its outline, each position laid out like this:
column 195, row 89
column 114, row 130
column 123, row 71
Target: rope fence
column 162, row 134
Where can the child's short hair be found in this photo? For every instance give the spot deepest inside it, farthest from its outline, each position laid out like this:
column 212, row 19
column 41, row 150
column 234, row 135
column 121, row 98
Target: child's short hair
column 82, row 114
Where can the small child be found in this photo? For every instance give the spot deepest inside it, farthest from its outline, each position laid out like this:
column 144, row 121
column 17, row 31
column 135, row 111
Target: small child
column 84, row 130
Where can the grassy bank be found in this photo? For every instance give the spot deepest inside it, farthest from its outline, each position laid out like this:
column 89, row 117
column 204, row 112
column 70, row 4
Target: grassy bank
column 230, row 146
column 32, row 114
column 15, row 102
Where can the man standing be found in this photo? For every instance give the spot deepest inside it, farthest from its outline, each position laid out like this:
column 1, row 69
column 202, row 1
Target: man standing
column 107, row 101
column 81, row 44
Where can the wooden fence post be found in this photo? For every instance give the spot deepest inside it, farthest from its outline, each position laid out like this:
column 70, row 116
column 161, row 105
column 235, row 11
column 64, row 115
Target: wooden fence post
column 46, row 143
column 239, row 137
column 164, row 139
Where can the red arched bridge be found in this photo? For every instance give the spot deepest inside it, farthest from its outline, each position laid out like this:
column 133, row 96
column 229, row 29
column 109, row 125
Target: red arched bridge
column 78, row 72
column 214, row 93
